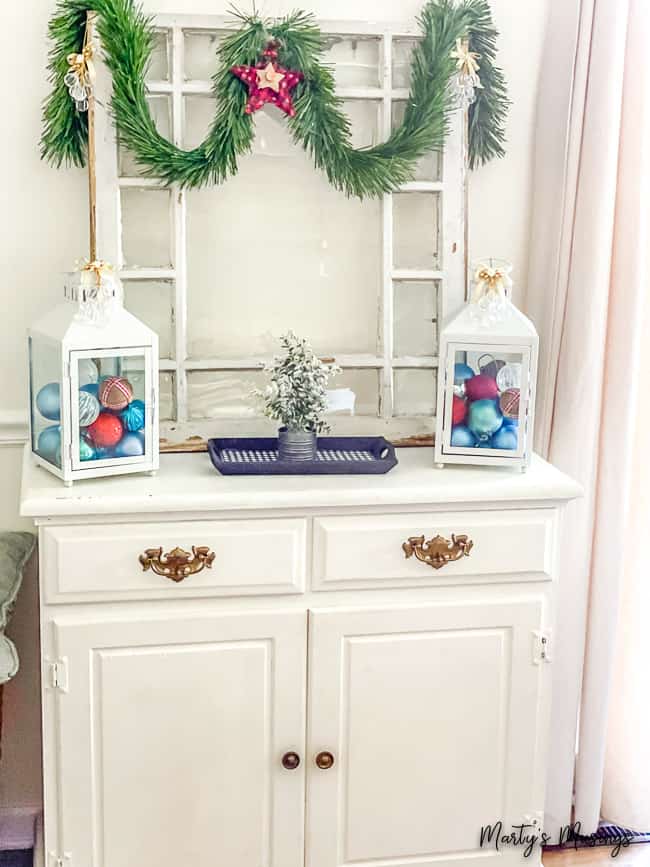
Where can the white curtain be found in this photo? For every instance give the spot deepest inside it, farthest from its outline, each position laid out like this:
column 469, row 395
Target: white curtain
column 586, row 292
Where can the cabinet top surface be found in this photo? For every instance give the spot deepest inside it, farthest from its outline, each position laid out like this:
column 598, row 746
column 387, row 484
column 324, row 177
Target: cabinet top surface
column 188, row 483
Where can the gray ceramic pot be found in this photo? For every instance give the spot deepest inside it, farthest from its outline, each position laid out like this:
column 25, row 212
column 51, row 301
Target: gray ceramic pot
column 296, row 445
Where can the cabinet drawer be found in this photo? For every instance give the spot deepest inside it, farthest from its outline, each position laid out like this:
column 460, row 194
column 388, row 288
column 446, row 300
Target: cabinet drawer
column 367, row 551
column 102, row 562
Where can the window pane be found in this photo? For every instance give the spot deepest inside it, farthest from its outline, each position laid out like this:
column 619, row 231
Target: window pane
column 402, row 57
column 146, row 228
column 365, row 116
column 198, row 113
column 151, row 301
column 415, row 392
column 365, row 384
column 415, row 306
column 429, row 167
column 161, row 112
column 276, row 247
column 224, row 394
column 416, row 229
column 160, row 61
column 166, row 398
column 200, row 54
column 356, row 59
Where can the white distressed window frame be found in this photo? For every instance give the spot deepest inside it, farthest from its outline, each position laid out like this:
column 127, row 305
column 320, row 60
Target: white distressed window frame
column 452, row 243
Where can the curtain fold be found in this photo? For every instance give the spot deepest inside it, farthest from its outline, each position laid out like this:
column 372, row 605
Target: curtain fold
column 585, row 292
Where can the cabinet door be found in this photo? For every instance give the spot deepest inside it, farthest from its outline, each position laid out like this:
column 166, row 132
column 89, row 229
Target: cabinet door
column 432, row 715
column 170, row 740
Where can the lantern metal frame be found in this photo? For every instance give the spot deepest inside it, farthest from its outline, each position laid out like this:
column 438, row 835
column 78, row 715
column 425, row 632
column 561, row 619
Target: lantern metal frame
column 122, row 336
column 509, row 332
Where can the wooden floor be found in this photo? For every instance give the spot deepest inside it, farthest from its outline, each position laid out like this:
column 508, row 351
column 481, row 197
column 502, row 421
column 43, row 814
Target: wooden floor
column 633, row 856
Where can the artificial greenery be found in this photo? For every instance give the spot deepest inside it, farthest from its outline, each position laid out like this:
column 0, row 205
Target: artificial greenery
column 296, row 395
column 320, row 125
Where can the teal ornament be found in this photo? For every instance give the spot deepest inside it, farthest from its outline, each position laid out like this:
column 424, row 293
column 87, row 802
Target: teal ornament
column 506, row 438
column 130, row 446
column 89, row 408
column 101, row 454
column 134, row 415
column 48, row 401
column 49, row 440
column 484, row 419
column 462, row 437
column 88, row 372
column 91, row 388
column 461, row 373
column 86, row 451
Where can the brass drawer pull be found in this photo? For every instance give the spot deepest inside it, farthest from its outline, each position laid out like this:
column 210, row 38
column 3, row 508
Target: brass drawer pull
column 290, row 761
column 177, row 564
column 437, row 552
column 324, row 761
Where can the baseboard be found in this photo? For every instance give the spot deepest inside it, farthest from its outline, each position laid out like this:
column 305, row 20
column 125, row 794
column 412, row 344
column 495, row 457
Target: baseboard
column 18, row 827
column 14, row 427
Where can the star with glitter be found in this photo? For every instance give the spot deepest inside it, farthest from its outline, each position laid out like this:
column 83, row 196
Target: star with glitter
column 268, row 82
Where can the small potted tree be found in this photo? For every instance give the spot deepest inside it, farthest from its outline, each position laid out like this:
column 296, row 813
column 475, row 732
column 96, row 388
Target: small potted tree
column 296, row 397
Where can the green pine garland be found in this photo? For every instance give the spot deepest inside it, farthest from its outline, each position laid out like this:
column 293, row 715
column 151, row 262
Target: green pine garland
column 320, row 125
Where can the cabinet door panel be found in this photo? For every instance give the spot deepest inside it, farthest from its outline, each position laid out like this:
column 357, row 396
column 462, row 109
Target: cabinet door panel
column 432, row 715
column 171, row 738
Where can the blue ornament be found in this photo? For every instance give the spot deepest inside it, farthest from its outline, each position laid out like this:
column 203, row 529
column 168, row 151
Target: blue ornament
column 506, row 438
column 91, row 388
column 48, row 401
column 130, row 446
column 86, row 451
column 134, row 415
column 484, row 419
column 101, row 454
column 462, row 437
column 88, row 408
column 462, row 372
column 49, row 440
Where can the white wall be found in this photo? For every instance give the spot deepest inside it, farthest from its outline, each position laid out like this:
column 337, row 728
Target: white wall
column 43, row 231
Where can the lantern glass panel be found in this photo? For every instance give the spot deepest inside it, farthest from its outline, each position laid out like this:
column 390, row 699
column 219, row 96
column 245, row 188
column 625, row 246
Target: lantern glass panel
column 45, row 398
column 486, row 403
column 111, row 418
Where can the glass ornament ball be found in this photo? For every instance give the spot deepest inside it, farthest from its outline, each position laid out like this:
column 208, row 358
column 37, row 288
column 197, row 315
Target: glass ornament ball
column 462, row 437
column 133, row 416
column 106, row 431
column 89, row 408
column 506, row 438
column 462, row 372
column 130, row 446
column 49, row 440
column 484, row 418
column 48, row 401
column 509, row 376
column 481, row 387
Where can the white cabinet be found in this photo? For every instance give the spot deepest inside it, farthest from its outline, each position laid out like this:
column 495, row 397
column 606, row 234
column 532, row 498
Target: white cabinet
column 323, row 695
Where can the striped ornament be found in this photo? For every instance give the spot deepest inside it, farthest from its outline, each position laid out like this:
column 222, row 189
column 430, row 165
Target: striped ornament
column 115, row 392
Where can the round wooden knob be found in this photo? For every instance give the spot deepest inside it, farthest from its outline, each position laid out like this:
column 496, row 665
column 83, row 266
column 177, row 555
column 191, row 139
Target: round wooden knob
column 290, row 761
column 324, row 761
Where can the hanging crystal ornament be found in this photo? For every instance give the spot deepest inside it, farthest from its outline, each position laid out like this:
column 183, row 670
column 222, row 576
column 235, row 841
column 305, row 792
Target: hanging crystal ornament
column 466, row 81
column 491, row 289
column 79, row 80
column 97, row 290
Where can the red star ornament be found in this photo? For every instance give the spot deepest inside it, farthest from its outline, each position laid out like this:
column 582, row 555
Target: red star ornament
column 268, row 82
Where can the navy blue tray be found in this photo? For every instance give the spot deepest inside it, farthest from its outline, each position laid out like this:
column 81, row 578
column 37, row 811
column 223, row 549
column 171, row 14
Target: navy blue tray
column 258, row 456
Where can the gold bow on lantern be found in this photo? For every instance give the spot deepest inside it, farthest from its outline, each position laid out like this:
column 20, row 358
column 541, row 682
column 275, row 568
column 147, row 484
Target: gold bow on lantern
column 466, row 62
column 97, row 267
column 489, row 281
column 82, row 64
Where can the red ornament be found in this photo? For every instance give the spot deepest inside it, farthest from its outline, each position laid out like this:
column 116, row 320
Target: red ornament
column 268, row 82
column 481, row 387
column 458, row 410
column 106, row 430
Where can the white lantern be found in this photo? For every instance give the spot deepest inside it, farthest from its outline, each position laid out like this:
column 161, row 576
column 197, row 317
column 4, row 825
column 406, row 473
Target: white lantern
column 487, row 378
column 93, row 379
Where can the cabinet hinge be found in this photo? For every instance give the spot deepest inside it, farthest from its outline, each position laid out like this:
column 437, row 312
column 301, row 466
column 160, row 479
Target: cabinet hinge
column 541, row 646
column 58, row 674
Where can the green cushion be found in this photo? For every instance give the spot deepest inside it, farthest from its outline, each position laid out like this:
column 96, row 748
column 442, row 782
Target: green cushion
column 15, row 551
